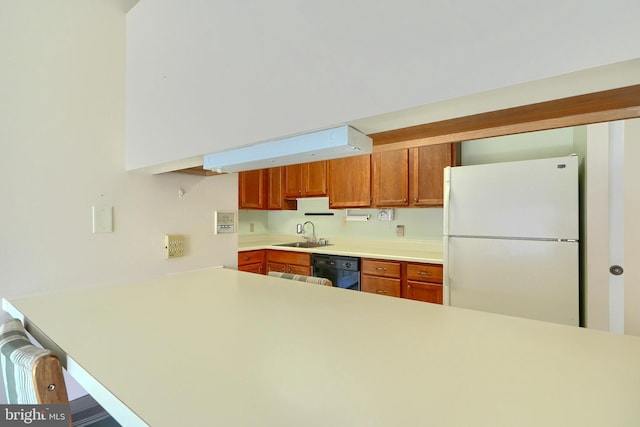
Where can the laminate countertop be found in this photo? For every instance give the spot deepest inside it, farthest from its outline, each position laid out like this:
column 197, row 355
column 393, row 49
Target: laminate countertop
column 220, row 347
column 413, row 251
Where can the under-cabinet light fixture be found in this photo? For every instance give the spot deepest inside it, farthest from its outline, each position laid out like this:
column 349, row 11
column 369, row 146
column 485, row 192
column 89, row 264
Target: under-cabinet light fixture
column 326, row 144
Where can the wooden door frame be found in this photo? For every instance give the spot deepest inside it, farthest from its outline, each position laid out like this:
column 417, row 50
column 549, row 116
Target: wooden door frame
column 605, row 106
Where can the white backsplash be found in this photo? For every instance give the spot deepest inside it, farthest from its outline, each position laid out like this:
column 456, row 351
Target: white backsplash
column 419, row 223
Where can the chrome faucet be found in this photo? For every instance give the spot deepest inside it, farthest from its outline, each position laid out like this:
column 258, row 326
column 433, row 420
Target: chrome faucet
column 300, row 229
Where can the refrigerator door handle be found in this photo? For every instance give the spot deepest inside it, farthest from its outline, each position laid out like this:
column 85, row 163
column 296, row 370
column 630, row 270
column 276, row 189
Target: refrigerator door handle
column 446, row 289
column 447, row 198
column 446, row 300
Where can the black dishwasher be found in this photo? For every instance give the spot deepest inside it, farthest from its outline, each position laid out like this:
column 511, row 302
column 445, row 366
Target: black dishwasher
column 343, row 271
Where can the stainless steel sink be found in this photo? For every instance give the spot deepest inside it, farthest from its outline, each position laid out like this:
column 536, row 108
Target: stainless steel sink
column 302, row 245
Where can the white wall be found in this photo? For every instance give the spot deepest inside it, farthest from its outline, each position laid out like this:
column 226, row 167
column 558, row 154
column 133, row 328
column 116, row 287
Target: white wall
column 62, row 124
column 62, row 118
column 631, row 228
column 205, row 76
column 524, row 146
column 605, row 309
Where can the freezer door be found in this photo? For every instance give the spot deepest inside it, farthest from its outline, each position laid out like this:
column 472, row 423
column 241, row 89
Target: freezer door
column 529, row 199
column 532, row 279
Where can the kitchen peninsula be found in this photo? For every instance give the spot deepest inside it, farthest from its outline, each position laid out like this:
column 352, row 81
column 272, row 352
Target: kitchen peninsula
column 222, row 347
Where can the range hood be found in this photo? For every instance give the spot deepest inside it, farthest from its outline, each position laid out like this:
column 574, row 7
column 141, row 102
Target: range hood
column 327, row 144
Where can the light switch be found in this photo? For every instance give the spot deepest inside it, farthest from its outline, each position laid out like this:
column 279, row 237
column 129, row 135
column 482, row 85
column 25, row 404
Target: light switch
column 102, row 219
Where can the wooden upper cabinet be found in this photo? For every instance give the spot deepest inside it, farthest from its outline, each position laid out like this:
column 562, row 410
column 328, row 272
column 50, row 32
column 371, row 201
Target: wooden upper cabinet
column 252, row 189
column 426, row 172
column 390, row 178
column 275, row 190
column 306, row 180
column 350, row 182
column 412, row 176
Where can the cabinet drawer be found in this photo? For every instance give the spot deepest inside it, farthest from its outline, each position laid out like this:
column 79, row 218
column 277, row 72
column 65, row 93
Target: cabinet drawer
column 288, row 257
column 425, row 272
column 250, row 257
column 376, row 267
column 380, row 285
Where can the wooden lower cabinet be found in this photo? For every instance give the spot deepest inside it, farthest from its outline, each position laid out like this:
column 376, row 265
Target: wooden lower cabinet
column 424, row 282
column 381, row 277
column 289, row 262
column 417, row 281
column 381, row 285
column 252, row 261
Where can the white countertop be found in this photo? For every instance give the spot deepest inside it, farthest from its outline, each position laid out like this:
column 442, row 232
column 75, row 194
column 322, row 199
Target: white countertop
column 414, row 251
column 228, row 348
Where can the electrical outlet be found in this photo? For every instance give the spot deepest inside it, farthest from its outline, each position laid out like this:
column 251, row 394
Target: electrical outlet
column 399, row 230
column 173, row 245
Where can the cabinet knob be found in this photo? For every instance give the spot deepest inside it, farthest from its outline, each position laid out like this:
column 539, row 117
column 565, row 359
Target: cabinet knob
column 404, row 200
column 415, row 200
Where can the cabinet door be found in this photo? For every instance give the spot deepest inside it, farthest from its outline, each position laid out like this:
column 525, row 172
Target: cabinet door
column 350, row 182
column 390, row 178
column 426, row 172
column 380, row 285
column 293, row 181
column 276, row 266
column 314, row 178
column 252, row 268
column 275, row 190
column 421, row 291
column 252, row 189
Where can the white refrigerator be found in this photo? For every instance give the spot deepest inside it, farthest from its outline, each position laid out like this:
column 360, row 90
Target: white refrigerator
column 511, row 238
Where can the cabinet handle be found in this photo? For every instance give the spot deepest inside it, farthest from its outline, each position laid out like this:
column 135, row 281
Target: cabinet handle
column 381, row 291
column 381, row 268
column 424, row 273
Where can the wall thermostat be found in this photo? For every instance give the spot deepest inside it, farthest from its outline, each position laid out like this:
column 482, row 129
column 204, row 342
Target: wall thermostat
column 224, row 222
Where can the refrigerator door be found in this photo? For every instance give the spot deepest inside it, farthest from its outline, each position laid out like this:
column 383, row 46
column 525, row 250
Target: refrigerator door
column 527, row 199
column 532, row 279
